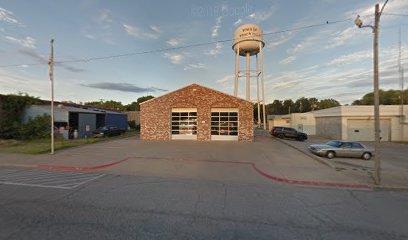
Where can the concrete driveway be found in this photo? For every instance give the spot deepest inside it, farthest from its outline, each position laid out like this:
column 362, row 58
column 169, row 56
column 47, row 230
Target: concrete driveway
column 266, row 160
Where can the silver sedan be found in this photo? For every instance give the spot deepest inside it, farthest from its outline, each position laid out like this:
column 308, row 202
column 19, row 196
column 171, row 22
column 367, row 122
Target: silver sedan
column 339, row 148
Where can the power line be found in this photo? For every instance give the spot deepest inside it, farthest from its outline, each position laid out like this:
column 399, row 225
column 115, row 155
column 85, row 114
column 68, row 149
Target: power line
column 85, row 60
column 396, row 14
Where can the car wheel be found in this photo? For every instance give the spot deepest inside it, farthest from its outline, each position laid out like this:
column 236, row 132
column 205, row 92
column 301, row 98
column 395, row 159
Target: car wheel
column 330, row 154
column 300, row 138
column 281, row 136
column 366, row 156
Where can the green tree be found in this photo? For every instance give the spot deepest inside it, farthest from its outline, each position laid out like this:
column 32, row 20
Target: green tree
column 288, row 106
column 114, row 105
column 303, row 105
column 328, row 103
column 35, row 128
column 389, row 97
column 135, row 106
column 12, row 109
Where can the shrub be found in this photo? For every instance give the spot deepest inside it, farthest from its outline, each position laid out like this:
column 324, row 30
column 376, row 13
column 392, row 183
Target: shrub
column 38, row 127
column 132, row 124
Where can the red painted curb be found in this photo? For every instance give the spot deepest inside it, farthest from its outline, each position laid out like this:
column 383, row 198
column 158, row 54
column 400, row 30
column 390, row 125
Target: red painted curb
column 262, row 173
column 68, row 168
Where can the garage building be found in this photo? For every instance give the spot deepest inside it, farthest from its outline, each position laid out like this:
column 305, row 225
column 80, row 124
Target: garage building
column 84, row 119
column 356, row 123
column 196, row 113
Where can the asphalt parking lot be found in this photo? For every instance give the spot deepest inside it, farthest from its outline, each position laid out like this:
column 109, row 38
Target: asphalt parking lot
column 394, row 161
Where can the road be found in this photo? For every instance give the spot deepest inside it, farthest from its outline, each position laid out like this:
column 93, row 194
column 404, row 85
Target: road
column 144, row 207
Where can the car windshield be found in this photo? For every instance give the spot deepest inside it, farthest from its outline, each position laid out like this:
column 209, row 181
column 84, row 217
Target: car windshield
column 334, row 143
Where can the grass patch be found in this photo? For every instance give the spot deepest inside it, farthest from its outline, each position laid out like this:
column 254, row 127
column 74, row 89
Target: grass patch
column 39, row 146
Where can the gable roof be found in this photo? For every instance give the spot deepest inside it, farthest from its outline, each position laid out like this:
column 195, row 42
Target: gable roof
column 197, row 85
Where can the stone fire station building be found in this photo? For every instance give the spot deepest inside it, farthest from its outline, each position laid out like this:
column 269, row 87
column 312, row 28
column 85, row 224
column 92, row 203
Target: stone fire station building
column 196, row 113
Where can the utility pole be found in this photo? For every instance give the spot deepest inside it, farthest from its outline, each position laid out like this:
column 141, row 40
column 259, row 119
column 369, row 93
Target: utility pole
column 51, row 75
column 377, row 162
column 376, row 29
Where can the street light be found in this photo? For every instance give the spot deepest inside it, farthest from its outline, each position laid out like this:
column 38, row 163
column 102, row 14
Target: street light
column 375, row 28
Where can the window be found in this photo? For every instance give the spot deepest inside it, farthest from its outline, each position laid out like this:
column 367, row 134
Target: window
column 224, row 122
column 356, row 145
column 184, row 123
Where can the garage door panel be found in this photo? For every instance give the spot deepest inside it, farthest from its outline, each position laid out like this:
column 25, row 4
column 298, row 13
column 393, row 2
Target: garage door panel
column 224, row 124
column 184, row 124
column 363, row 130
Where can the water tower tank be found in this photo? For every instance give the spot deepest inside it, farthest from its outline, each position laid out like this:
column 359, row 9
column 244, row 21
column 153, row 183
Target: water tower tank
column 248, row 36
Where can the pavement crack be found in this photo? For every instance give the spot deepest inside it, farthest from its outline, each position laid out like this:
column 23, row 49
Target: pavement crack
column 196, row 203
column 224, row 199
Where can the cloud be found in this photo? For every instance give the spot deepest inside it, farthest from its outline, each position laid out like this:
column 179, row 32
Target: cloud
column 216, row 50
column 288, row 60
column 283, row 38
column 123, row 87
column 175, row 58
column 216, row 27
column 226, row 79
column 195, row 66
column 153, row 33
column 260, row 16
column 350, row 34
column 42, row 59
column 351, row 58
column 27, row 42
column 174, row 42
column 239, row 21
column 105, row 16
column 8, row 16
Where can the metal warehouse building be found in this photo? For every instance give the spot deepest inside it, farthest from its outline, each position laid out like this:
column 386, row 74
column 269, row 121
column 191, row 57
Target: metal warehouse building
column 81, row 118
column 196, row 113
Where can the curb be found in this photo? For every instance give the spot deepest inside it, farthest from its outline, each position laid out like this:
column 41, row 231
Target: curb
column 253, row 165
column 319, row 159
column 69, row 168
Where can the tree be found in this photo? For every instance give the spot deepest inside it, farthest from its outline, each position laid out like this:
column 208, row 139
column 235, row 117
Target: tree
column 288, row 106
column 114, row 105
column 328, row 103
column 12, row 106
column 303, row 105
column 135, row 106
column 389, row 97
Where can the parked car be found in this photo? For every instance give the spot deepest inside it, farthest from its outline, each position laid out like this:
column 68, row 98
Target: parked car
column 339, row 148
column 287, row 132
column 108, row 131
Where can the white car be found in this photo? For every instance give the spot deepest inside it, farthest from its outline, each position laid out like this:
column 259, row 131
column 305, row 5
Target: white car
column 337, row 148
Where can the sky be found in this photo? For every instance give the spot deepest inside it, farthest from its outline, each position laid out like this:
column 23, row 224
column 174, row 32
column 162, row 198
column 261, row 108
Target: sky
column 329, row 61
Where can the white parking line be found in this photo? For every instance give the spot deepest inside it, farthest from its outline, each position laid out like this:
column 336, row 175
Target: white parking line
column 46, row 178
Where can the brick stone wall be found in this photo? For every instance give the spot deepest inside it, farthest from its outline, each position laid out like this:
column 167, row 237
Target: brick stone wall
column 155, row 114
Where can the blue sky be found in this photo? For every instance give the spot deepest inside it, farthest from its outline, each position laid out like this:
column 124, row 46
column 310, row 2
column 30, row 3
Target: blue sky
column 332, row 61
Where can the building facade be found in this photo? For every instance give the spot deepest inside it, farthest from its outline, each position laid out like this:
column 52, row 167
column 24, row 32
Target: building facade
column 82, row 119
column 303, row 122
column 196, row 113
column 354, row 123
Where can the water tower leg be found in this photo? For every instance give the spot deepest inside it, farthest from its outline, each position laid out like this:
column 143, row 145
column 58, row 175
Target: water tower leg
column 248, row 77
column 257, row 91
column 263, row 85
column 236, row 72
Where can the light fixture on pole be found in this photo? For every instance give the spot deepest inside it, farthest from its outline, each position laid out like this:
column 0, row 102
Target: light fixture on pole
column 375, row 28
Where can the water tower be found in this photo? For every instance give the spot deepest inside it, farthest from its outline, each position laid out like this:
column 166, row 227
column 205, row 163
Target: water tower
column 248, row 42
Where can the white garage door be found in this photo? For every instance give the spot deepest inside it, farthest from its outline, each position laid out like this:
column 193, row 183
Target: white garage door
column 184, row 124
column 363, row 130
column 224, row 124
